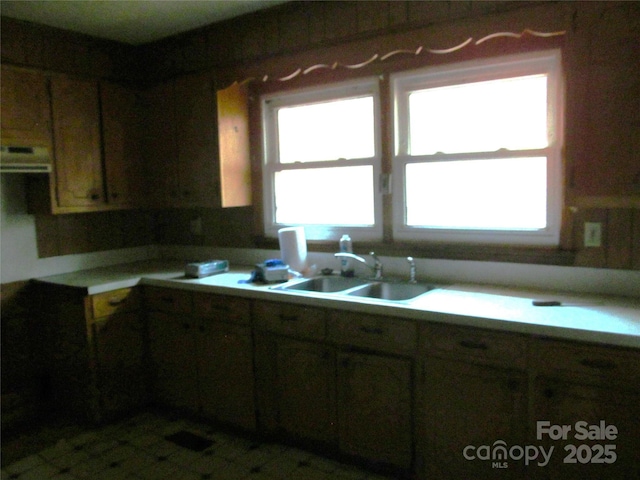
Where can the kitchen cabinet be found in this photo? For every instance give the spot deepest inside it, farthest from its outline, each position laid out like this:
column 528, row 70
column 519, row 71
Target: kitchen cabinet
column 202, row 354
column 93, row 345
column 160, row 148
column 225, row 359
column 78, row 170
column 471, row 390
column 197, row 149
column 117, row 337
column 296, row 388
column 25, row 108
column 121, row 132
column 375, row 408
column 375, row 386
column 598, row 387
column 295, row 372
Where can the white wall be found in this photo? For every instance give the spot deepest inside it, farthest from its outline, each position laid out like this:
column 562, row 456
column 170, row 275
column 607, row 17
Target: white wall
column 18, row 248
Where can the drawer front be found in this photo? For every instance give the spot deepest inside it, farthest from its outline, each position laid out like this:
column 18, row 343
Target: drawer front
column 459, row 343
column 601, row 363
column 116, row 301
column 222, row 307
column 293, row 320
column 373, row 331
column 168, row 300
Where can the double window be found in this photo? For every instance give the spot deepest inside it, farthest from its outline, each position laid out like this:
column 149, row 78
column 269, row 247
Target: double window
column 477, row 155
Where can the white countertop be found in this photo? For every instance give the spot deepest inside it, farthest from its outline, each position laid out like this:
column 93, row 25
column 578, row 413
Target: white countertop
column 589, row 318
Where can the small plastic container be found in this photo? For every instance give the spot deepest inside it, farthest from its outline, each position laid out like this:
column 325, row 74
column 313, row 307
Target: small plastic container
column 346, row 266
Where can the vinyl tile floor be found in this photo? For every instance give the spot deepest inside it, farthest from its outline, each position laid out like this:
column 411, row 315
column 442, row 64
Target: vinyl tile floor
column 150, row 446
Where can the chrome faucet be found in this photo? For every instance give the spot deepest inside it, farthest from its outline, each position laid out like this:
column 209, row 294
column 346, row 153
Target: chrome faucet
column 376, row 267
column 412, row 270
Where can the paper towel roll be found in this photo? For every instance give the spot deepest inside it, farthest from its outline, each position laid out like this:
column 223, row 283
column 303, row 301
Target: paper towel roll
column 293, row 247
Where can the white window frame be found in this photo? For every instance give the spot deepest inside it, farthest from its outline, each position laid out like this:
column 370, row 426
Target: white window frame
column 270, row 104
column 547, row 62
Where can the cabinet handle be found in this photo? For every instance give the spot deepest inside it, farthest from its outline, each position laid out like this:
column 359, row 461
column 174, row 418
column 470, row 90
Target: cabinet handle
column 114, row 195
column 167, row 299
column 598, row 364
column 473, row 345
column 288, row 318
column 95, row 196
column 548, row 392
column 371, row 330
column 114, row 302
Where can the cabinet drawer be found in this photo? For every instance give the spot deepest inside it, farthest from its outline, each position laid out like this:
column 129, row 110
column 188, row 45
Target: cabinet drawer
column 116, row 301
column 495, row 348
column 221, row 307
column 373, row 331
column 600, row 363
column 168, row 300
column 295, row 320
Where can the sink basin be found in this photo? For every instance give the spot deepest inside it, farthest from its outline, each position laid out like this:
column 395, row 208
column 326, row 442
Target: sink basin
column 391, row 291
column 324, row 284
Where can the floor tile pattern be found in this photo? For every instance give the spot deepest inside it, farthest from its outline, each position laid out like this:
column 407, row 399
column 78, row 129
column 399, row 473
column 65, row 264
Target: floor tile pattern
column 138, row 449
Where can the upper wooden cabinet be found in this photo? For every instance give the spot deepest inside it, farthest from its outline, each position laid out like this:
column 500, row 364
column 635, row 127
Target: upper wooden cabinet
column 26, row 114
column 197, row 149
column 233, row 139
column 76, row 130
column 121, row 130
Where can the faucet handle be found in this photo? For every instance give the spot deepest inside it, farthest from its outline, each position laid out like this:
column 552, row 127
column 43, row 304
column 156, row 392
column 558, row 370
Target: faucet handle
column 378, row 265
column 412, row 270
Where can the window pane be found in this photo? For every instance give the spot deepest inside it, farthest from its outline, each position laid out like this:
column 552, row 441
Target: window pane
column 479, row 117
column 325, row 196
column 503, row 194
column 327, row 131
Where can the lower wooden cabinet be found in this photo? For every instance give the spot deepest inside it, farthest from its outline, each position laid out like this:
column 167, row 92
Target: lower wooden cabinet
column 375, row 408
column 588, row 391
column 172, row 349
column 225, row 373
column 464, row 405
column 296, row 388
column 119, row 362
column 201, row 352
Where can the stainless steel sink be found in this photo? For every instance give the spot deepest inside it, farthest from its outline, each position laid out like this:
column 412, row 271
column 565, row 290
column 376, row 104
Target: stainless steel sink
column 391, row 291
column 325, row 284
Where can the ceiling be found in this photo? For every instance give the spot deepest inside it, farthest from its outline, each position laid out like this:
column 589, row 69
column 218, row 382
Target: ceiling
column 130, row 21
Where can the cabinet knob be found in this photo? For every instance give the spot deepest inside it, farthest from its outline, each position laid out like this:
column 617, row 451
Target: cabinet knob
column 548, row 392
column 95, row 196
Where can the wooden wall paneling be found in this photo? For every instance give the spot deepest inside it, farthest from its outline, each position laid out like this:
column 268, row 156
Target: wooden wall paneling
column 73, row 231
column 47, row 235
column 619, row 238
column 292, row 29
column 635, row 240
column 372, row 16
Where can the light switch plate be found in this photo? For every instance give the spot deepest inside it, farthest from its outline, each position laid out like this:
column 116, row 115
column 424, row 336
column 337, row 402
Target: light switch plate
column 592, row 234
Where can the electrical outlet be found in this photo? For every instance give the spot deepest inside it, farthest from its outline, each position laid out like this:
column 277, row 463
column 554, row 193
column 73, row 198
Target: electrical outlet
column 592, row 234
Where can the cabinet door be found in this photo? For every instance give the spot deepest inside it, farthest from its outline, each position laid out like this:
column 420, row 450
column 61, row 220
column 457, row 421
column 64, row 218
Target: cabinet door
column 118, row 342
column 121, row 128
column 233, row 136
column 172, row 345
column 160, row 148
column 76, row 128
column 566, row 403
column 374, row 408
column 25, row 108
column 225, row 357
column 197, row 141
column 306, row 389
column 461, row 404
